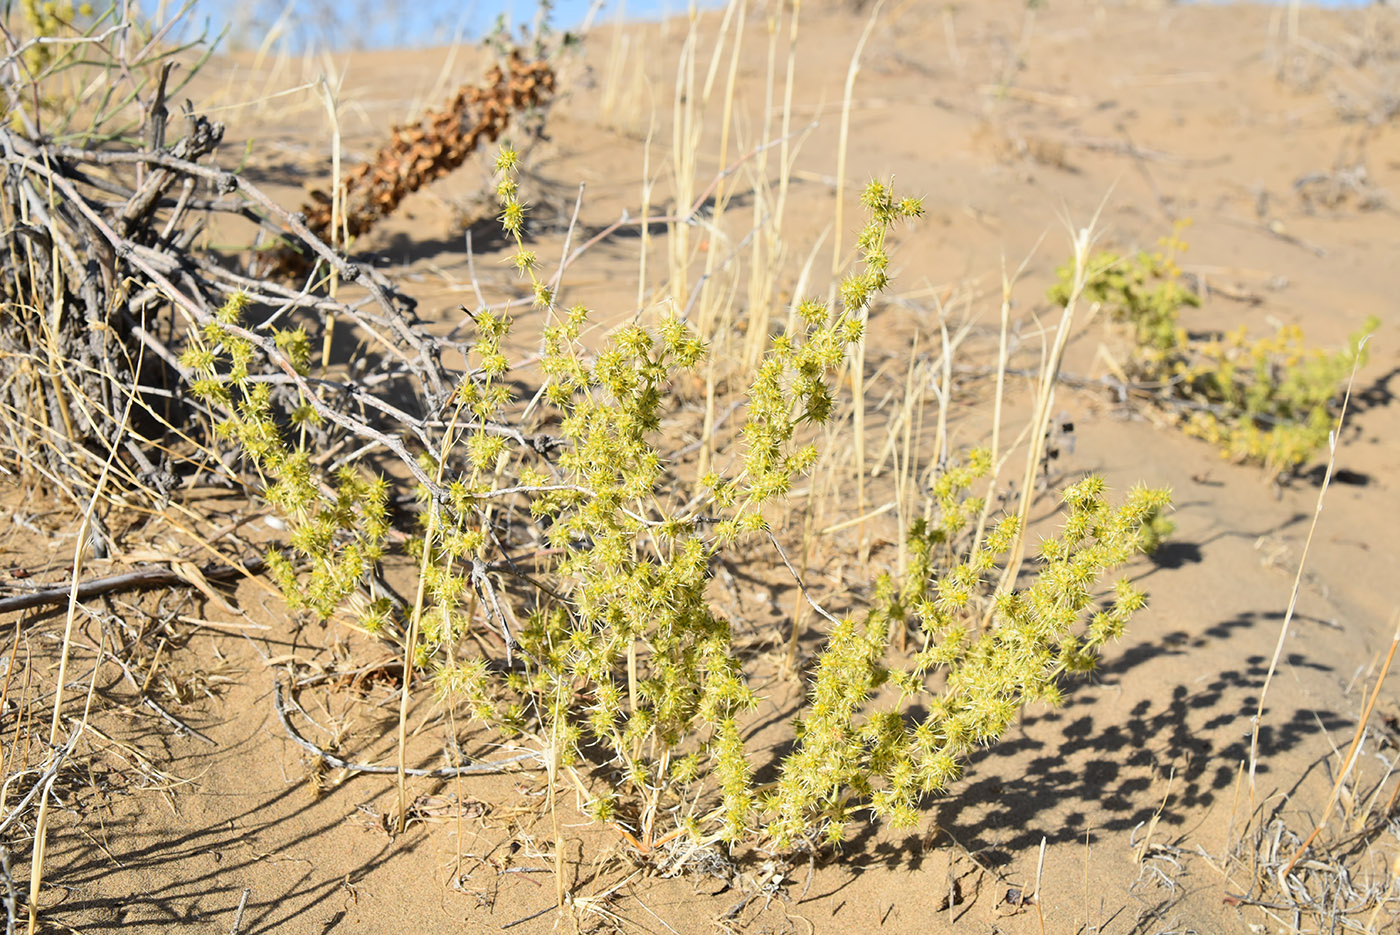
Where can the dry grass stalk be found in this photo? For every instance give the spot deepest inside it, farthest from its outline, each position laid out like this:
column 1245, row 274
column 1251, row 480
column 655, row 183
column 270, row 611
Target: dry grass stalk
column 858, row 364
column 1051, row 358
column 36, row 873
column 1298, row 579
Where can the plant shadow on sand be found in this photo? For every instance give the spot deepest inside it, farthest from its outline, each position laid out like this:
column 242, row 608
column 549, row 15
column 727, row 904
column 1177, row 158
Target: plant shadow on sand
column 1062, row 766
column 229, row 853
column 204, row 870
column 1043, row 781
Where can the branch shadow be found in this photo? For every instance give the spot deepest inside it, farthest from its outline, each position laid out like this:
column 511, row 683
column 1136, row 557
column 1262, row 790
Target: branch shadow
column 148, row 876
column 1068, row 772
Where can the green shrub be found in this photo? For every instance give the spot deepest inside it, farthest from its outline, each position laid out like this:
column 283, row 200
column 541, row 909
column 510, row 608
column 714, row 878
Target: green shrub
column 1267, row 400
column 1144, row 292
column 614, row 646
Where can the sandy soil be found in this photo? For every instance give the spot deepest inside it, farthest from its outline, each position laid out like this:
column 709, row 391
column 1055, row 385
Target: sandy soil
column 1143, row 113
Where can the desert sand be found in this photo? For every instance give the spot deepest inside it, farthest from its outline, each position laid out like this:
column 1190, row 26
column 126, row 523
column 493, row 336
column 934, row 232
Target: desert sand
column 1127, row 810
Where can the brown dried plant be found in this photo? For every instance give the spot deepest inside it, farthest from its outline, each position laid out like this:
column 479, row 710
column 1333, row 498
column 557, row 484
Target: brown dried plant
column 428, row 150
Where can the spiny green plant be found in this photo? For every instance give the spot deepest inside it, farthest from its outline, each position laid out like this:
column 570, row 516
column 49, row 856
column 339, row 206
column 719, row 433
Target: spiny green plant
column 339, row 531
column 1266, row 400
column 849, row 756
column 614, row 660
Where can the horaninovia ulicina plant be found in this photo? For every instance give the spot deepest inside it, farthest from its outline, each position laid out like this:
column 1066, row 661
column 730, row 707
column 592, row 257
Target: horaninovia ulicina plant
column 610, row 655
column 1267, row 400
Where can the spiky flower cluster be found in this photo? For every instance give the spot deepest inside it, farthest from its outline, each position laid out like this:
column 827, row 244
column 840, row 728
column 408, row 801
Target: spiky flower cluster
column 793, row 384
column 340, row 531
column 1269, row 400
column 635, row 630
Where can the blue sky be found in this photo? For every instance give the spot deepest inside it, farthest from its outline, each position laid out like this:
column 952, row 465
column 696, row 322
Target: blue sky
column 389, row 23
